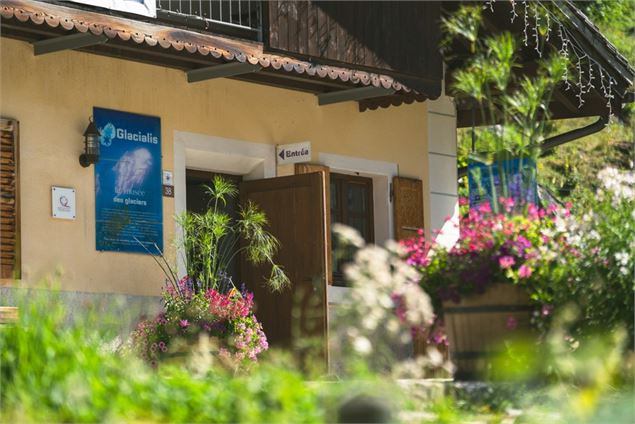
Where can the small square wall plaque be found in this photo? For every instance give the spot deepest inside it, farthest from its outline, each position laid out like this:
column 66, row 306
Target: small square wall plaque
column 63, row 202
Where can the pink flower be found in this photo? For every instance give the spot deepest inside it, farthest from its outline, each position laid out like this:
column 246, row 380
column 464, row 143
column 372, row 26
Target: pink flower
column 524, row 271
column 512, row 323
column 507, row 203
column 506, row 262
column 484, row 208
column 184, row 323
column 546, row 310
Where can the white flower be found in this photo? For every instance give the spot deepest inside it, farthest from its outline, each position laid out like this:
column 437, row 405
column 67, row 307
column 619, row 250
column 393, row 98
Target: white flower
column 622, row 258
column 434, row 356
column 348, row 235
column 362, row 345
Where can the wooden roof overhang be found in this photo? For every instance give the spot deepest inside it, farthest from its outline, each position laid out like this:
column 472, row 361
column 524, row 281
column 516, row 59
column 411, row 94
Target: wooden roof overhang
column 187, row 50
column 564, row 103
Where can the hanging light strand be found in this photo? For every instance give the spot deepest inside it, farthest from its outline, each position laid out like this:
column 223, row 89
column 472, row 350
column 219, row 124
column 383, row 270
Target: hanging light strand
column 525, row 20
column 513, row 12
column 536, row 30
column 568, row 50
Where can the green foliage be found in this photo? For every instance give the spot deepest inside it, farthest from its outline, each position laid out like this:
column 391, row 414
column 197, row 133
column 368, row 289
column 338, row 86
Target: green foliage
column 616, row 20
column 577, row 380
column 213, row 239
column 602, row 240
column 465, row 23
column 54, row 369
column 570, row 171
column 57, row 369
column 518, row 105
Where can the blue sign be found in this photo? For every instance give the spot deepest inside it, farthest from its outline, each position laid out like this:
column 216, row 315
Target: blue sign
column 519, row 173
column 128, row 191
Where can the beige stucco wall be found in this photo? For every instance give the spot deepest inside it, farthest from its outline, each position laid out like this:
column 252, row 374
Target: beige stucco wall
column 52, row 96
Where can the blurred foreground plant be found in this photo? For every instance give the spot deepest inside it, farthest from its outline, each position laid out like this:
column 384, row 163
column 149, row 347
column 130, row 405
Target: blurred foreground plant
column 569, row 381
column 375, row 323
column 53, row 369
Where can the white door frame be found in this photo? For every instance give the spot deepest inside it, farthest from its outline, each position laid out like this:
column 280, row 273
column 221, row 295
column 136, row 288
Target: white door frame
column 216, row 154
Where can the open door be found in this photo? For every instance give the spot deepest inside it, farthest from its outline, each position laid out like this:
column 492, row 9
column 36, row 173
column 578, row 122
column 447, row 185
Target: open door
column 296, row 211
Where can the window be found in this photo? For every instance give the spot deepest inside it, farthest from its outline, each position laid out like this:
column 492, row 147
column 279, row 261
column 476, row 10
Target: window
column 352, row 205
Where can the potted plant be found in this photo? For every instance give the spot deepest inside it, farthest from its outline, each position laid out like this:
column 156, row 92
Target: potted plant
column 206, row 301
column 507, row 251
column 490, row 281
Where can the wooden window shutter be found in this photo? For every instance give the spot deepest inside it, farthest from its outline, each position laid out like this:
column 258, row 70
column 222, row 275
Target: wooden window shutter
column 408, row 206
column 9, row 200
column 307, row 168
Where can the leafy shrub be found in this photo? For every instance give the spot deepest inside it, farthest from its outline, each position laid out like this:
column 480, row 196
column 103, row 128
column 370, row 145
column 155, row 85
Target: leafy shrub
column 602, row 238
column 55, row 371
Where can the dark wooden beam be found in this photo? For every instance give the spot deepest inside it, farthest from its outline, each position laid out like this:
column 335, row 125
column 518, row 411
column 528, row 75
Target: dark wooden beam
column 67, row 42
column 221, row 71
column 353, row 94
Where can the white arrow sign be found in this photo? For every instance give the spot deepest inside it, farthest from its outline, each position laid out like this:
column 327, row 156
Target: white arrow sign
column 293, row 153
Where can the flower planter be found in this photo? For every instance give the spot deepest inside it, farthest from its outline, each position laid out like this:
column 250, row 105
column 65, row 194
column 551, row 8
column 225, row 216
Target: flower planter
column 477, row 325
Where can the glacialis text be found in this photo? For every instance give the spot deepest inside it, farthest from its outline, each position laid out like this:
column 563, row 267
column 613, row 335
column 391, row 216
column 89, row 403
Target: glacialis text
column 124, row 134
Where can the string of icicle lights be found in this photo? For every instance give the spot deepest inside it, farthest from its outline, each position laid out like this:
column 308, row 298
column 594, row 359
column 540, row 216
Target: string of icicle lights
column 538, row 18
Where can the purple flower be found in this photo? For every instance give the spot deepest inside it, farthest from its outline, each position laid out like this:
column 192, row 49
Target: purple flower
column 546, row 310
column 506, row 262
column 512, row 323
column 523, row 242
column 524, row 271
column 184, row 323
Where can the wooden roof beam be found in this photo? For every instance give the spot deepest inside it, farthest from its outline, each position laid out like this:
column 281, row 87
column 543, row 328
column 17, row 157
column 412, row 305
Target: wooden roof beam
column 353, row 94
column 67, row 42
column 221, row 71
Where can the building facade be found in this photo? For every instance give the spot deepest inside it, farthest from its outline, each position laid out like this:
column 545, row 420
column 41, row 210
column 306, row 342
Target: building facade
column 359, row 86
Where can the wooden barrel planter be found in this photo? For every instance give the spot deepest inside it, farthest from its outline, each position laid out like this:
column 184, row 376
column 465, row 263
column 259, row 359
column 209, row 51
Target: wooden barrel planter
column 478, row 325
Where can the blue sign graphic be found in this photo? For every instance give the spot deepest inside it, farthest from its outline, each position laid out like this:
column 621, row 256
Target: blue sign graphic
column 128, row 191
column 521, row 181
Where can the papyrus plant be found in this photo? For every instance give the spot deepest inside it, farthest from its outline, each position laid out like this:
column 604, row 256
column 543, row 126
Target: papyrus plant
column 210, row 241
column 513, row 109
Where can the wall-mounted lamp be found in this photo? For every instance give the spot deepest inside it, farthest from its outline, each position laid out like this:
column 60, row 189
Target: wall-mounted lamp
column 91, row 145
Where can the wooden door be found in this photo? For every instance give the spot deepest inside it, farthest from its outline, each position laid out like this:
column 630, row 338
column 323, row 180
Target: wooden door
column 295, row 318
column 308, row 168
